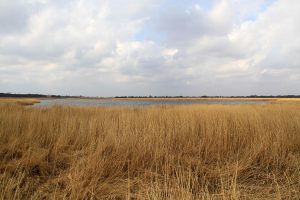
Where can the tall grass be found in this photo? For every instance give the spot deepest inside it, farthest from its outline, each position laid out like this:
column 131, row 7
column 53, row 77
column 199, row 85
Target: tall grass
column 20, row 101
column 163, row 152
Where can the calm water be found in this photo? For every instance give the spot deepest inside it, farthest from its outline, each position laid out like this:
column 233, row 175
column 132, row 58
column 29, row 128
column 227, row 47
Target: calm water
column 114, row 102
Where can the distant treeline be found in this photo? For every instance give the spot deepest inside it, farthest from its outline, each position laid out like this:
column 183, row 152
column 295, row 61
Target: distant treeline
column 35, row 96
column 150, row 96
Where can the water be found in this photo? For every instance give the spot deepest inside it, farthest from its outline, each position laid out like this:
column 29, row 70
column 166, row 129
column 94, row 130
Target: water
column 146, row 102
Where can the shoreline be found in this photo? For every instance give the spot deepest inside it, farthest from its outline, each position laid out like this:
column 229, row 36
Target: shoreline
column 31, row 101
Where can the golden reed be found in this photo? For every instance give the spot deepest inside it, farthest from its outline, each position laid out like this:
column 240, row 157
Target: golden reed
column 162, row 152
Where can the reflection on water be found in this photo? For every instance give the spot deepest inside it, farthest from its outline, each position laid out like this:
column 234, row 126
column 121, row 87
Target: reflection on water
column 116, row 102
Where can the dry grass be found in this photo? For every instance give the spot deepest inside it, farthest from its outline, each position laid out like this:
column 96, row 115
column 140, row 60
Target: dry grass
column 289, row 99
column 165, row 152
column 207, row 98
column 218, row 99
column 20, row 101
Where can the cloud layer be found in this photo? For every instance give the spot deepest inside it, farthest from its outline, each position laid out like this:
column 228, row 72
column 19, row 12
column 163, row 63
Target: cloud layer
column 134, row 47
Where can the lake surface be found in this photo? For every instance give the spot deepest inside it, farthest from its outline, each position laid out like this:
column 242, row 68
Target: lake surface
column 146, row 102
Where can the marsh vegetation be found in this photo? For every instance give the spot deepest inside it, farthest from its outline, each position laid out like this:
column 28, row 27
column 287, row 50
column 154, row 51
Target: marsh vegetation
column 20, row 101
column 159, row 152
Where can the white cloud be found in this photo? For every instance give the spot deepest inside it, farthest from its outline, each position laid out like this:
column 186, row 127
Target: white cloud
column 170, row 52
column 139, row 47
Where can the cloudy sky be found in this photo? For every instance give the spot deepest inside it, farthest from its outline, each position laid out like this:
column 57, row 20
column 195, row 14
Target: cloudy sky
column 143, row 47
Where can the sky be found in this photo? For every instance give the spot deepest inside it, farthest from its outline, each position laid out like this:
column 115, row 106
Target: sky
column 150, row 47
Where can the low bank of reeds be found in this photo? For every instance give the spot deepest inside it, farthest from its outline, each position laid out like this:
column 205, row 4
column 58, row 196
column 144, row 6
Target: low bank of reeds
column 20, row 101
column 163, row 152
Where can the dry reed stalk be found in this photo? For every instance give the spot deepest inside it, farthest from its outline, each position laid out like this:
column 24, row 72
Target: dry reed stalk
column 161, row 152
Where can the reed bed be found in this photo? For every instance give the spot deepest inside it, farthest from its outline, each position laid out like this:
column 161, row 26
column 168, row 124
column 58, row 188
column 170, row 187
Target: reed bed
column 161, row 152
column 20, row 101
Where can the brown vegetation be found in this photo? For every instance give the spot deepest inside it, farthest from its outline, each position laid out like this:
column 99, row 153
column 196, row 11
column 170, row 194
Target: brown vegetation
column 20, row 101
column 215, row 98
column 202, row 98
column 164, row 152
